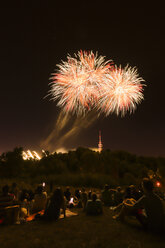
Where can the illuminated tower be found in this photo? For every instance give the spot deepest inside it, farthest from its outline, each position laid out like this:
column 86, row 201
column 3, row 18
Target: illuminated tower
column 100, row 146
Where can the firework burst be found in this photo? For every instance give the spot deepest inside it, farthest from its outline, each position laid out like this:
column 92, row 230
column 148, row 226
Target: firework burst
column 121, row 92
column 86, row 81
column 77, row 82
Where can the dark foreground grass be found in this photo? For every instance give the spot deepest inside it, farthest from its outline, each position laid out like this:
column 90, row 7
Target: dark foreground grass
column 79, row 232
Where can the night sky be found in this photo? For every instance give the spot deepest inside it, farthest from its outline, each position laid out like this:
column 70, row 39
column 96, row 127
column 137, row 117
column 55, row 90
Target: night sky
column 35, row 37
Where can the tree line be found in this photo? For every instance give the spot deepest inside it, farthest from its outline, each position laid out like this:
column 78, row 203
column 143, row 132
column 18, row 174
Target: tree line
column 121, row 166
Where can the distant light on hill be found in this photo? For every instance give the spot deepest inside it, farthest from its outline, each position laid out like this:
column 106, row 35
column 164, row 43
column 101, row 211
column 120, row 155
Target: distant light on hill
column 30, row 155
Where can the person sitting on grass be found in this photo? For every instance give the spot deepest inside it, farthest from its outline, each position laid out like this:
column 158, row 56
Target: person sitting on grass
column 15, row 191
column 77, row 198
column 24, row 206
column 6, row 197
column 118, row 196
column 55, row 204
column 148, row 209
column 106, row 196
column 94, row 206
column 84, row 198
column 67, row 194
column 135, row 192
column 128, row 193
column 128, row 197
column 77, row 194
column 90, row 194
column 9, row 208
column 40, row 200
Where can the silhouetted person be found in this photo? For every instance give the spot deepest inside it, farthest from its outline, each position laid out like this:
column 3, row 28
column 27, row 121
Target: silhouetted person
column 24, row 206
column 56, row 203
column 6, row 198
column 77, row 194
column 127, row 194
column 118, row 196
column 84, row 198
column 77, row 198
column 94, row 206
column 148, row 209
column 9, row 210
column 24, row 195
column 90, row 195
column 106, row 196
column 15, row 191
column 30, row 195
column 67, row 194
column 40, row 200
column 135, row 194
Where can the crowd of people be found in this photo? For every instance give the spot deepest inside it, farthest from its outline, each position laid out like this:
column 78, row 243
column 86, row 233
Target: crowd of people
column 18, row 206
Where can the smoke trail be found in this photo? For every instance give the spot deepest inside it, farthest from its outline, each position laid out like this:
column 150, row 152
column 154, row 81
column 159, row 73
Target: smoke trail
column 67, row 127
column 60, row 123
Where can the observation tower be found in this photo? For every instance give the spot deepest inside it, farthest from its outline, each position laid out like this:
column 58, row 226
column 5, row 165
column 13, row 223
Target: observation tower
column 100, row 145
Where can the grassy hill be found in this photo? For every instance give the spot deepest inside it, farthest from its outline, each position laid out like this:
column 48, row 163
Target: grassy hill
column 79, row 232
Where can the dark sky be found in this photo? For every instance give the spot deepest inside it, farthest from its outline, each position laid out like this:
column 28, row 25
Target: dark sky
column 35, row 37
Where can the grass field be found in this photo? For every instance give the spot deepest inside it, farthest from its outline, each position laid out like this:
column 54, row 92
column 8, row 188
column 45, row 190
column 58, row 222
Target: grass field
column 79, row 232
